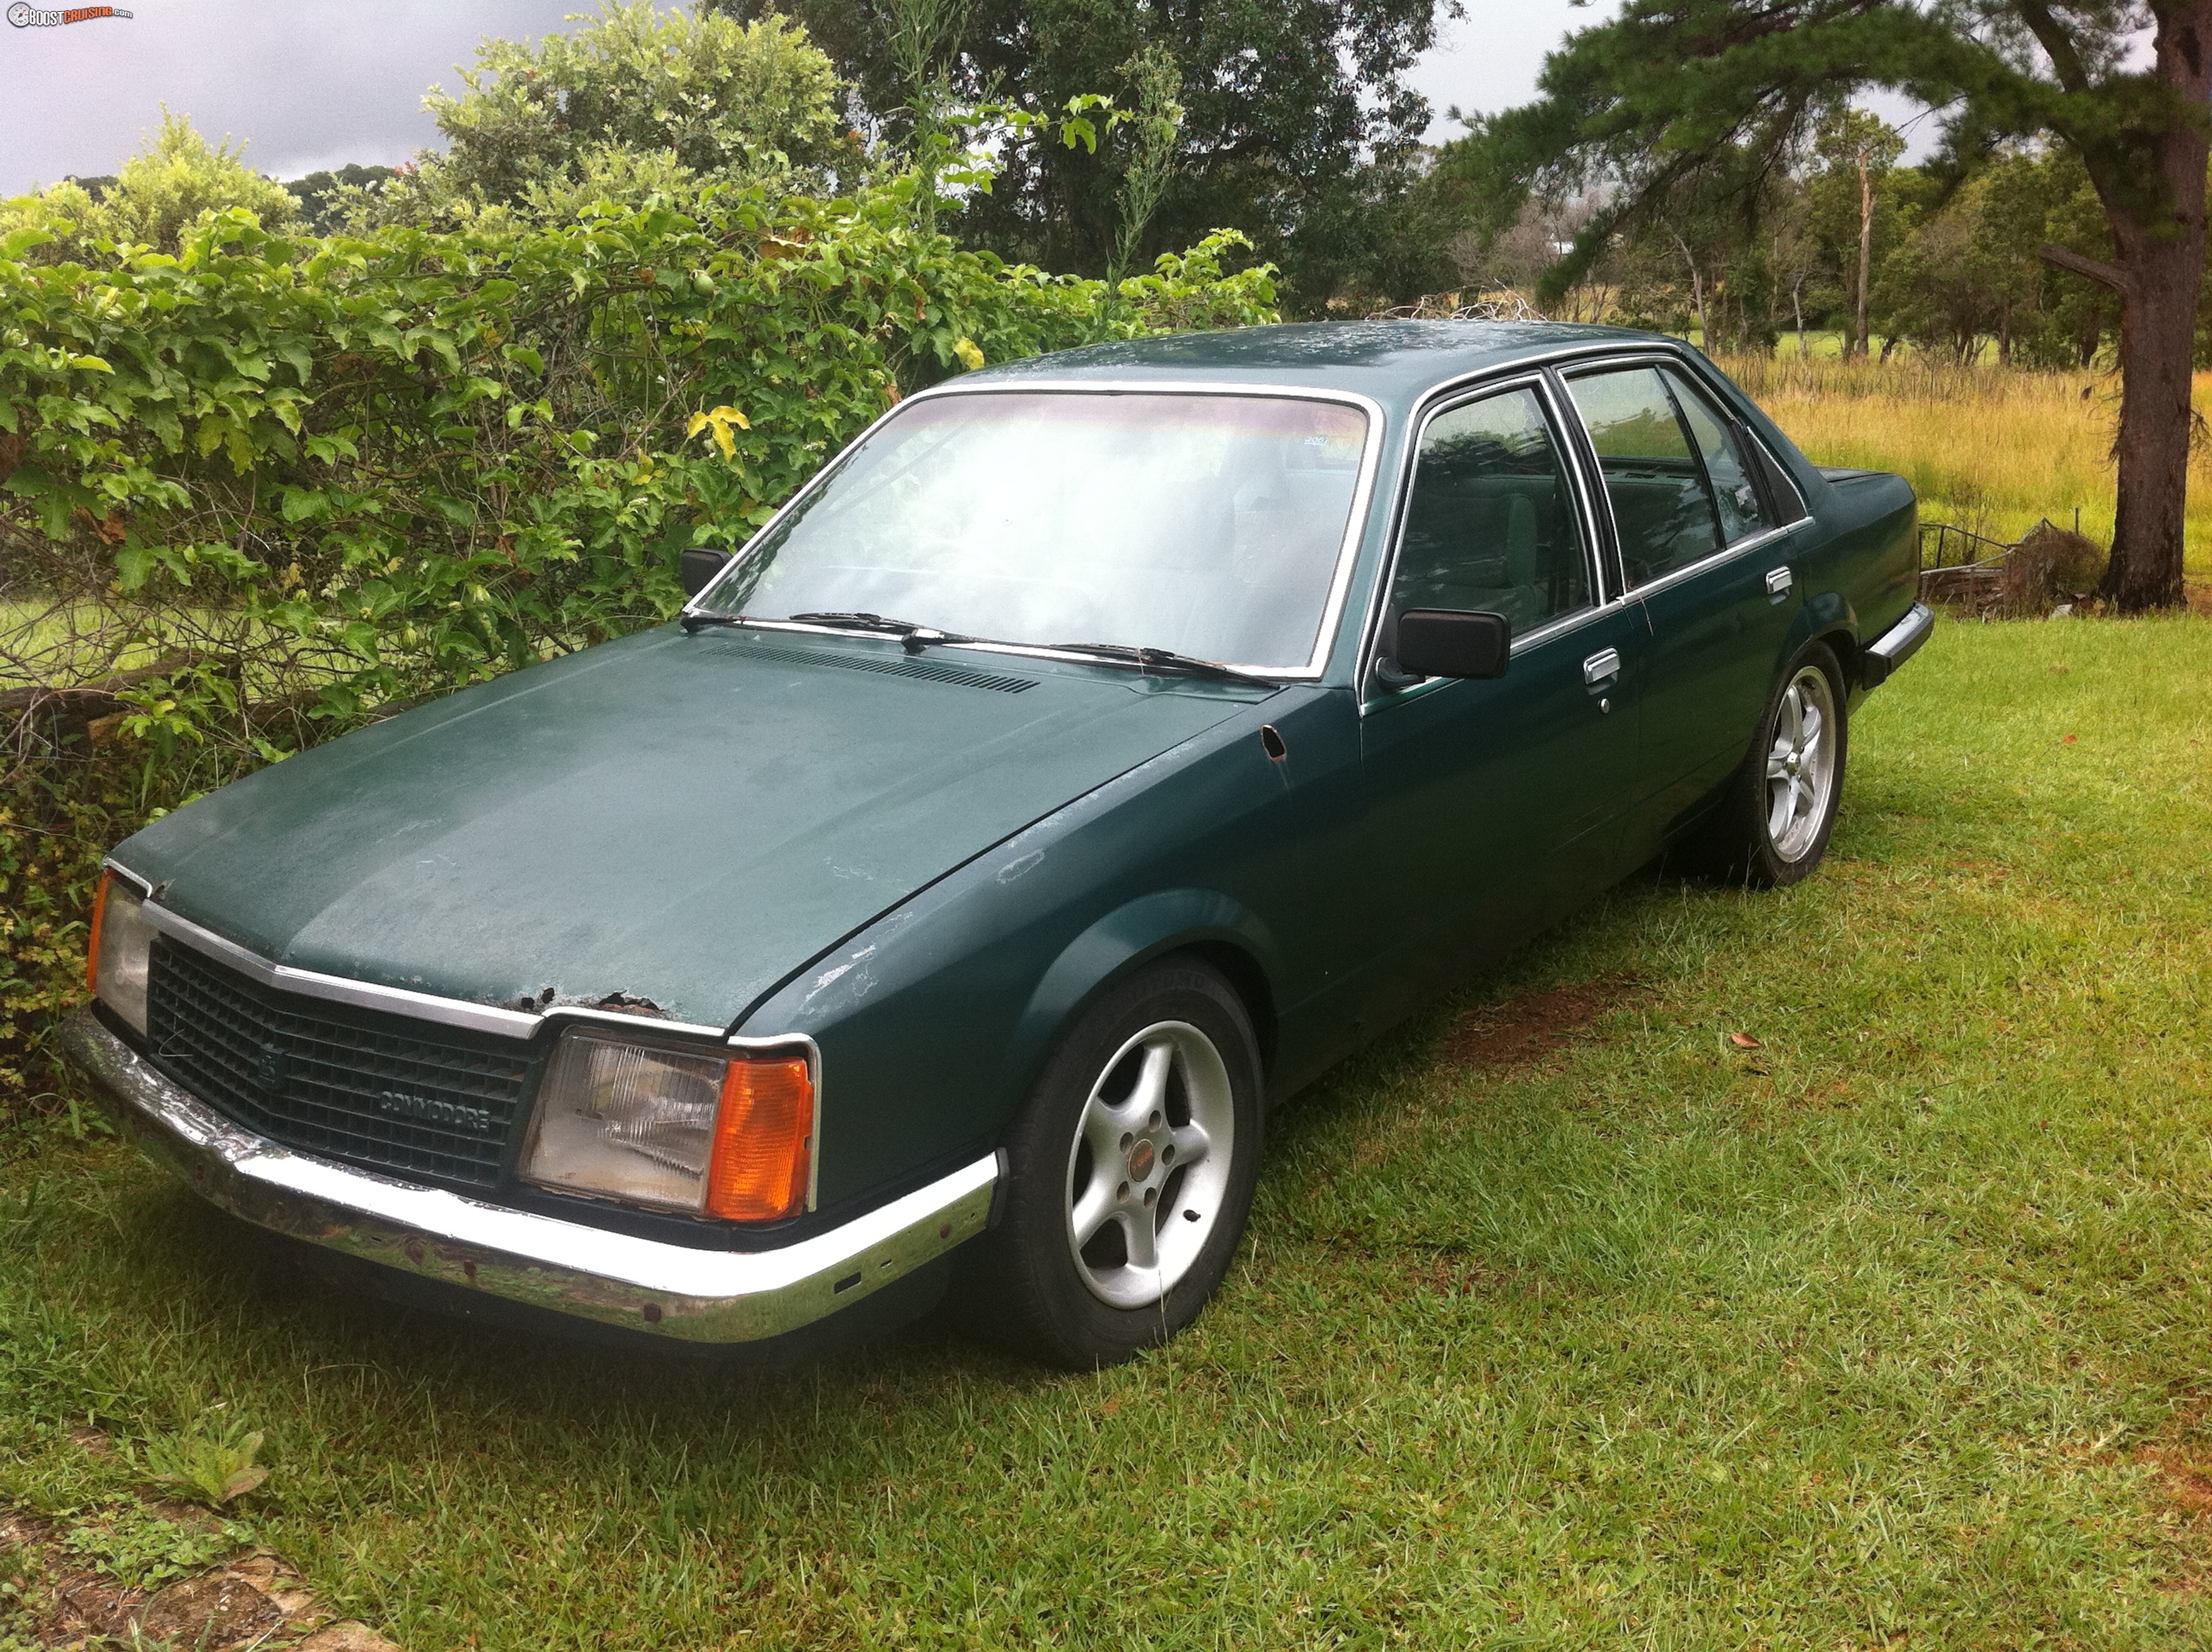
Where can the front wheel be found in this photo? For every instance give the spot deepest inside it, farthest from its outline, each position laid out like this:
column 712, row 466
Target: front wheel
column 1772, row 825
column 1130, row 1173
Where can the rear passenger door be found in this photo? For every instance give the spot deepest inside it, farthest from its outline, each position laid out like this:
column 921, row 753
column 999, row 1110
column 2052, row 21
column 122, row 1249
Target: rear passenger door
column 1492, row 804
column 1702, row 553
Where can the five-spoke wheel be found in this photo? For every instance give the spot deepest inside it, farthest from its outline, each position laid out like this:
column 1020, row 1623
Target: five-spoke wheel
column 1800, row 763
column 1149, row 1166
column 1129, row 1173
column 1771, row 823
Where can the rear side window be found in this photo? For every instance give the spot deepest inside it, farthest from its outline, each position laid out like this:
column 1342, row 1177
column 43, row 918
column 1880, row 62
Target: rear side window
column 1663, row 510
column 1491, row 522
column 1742, row 511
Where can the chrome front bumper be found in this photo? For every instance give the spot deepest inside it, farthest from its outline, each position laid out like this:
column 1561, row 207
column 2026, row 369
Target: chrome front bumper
column 616, row 1278
column 1895, row 646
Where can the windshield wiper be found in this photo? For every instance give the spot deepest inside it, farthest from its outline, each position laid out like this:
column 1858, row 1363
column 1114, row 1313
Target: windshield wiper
column 916, row 637
column 1166, row 661
column 694, row 622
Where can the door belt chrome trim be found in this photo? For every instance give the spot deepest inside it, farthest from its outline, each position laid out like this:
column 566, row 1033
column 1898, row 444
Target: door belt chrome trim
column 1895, row 646
column 1675, row 576
column 568, row 1267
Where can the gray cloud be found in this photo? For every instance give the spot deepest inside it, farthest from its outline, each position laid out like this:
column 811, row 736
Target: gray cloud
column 311, row 84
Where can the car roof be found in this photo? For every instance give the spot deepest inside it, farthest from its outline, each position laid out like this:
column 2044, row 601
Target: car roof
column 1393, row 362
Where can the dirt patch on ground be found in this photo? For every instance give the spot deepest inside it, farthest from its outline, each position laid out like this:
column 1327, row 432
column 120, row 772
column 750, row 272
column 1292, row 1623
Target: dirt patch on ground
column 1450, row 1273
column 52, row 1598
column 1530, row 1027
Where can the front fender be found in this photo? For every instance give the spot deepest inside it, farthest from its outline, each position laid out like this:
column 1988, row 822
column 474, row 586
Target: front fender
column 933, row 1021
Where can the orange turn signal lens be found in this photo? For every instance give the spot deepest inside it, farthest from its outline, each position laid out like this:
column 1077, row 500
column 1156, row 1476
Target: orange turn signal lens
column 763, row 1140
column 92, row 942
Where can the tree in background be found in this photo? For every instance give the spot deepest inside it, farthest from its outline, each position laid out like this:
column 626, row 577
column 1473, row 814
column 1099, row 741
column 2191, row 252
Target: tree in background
column 1671, row 89
column 1298, row 127
column 1860, row 149
column 634, row 103
column 322, row 195
column 177, row 182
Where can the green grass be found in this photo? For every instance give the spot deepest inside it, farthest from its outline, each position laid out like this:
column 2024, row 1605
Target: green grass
column 1890, row 1332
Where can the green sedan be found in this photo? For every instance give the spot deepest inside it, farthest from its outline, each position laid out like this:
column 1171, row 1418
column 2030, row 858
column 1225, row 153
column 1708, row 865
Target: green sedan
column 1098, row 750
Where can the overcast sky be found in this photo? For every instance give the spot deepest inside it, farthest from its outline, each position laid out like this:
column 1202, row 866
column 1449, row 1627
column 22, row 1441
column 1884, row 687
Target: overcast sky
column 316, row 83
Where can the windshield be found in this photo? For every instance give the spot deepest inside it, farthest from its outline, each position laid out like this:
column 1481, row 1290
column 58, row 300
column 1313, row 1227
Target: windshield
column 1207, row 524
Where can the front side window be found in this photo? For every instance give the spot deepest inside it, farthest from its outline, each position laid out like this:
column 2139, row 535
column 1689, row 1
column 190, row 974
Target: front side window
column 1490, row 523
column 1741, row 510
column 1663, row 510
column 1208, row 524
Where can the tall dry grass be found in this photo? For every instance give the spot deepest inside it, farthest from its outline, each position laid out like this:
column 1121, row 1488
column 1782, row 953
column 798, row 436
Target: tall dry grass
column 1992, row 449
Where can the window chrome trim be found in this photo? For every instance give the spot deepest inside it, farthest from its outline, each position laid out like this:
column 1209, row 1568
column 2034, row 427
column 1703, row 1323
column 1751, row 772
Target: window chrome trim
column 1457, row 394
column 1649, row 357
column 1347, row 552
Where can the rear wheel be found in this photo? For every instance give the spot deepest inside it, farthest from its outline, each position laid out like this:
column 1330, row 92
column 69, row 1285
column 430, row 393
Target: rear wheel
column 1772, row 825
column 1130, row 1173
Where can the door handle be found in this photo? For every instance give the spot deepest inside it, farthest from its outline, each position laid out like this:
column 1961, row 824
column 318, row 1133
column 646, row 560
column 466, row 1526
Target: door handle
column 1600, row 666
column 1780, row 580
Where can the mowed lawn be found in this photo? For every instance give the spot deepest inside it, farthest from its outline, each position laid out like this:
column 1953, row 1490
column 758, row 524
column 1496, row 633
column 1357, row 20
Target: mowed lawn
column 1564, row 1321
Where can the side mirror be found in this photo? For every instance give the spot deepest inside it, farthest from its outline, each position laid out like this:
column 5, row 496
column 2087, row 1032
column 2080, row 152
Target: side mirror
column 1452, row 642
column 700, row 567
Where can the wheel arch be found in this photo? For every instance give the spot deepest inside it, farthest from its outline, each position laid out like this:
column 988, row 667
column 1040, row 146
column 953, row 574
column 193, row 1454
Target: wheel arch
column 1204, row 924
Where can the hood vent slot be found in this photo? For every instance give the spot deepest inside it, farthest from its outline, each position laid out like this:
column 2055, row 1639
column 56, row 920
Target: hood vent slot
column 900, row 666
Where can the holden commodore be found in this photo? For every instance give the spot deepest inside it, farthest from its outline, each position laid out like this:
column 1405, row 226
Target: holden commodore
column 1098, row 750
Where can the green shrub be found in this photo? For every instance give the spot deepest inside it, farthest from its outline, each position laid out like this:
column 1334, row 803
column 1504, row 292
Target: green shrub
column 313, row 478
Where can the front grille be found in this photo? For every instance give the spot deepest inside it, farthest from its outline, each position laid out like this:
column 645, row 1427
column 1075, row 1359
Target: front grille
column 376, row 1089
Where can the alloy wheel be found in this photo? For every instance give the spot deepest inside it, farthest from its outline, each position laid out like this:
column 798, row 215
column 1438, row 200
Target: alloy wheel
column 1801, row 763
column 1148, row 1170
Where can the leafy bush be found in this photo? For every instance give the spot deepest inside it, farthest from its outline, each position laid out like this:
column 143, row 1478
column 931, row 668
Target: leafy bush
column 177, row 183
column 260, row 490
column 631, row 100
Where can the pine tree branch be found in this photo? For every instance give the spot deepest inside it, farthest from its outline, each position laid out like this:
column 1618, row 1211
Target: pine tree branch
column 2056, row 43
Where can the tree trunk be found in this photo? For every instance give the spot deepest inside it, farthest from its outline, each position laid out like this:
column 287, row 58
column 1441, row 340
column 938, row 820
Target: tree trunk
column 1797, row 304
column 1866, row 252
column 2004, row 334
column 2157, row 223
column 2158, row 336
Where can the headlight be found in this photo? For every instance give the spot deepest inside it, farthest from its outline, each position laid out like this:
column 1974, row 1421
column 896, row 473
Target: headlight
column 727, row 1136
column 115, row 958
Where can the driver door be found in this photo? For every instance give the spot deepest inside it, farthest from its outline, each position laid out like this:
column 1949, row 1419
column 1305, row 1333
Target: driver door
column 1494, row 805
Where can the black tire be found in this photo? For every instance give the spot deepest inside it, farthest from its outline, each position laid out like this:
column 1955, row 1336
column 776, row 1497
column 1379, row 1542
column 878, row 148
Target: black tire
column 1027, row 1284
column 1739, row 842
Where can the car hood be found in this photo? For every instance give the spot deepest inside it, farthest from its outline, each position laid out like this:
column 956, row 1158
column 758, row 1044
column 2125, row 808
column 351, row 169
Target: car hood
column 680, row 819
